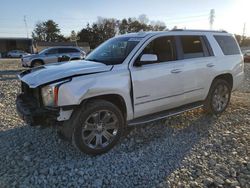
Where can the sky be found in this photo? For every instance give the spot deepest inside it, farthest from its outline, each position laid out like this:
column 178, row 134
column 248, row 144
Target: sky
column 230, row 15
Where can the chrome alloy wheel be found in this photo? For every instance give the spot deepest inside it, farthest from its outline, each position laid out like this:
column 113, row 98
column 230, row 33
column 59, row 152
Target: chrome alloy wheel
column 100, row 129
column 220, row 97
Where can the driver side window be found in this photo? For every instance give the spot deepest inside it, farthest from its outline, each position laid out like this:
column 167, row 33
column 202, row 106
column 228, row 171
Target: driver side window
column 163, row 47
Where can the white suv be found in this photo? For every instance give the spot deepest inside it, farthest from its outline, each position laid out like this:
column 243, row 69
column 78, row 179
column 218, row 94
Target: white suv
column 129, row 80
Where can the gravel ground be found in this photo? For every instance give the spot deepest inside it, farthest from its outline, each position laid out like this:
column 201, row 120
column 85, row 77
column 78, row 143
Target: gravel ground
column 189, row 150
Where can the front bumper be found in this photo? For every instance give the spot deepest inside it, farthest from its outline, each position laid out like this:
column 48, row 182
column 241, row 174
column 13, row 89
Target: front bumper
column 33, row 115
column 25, row 63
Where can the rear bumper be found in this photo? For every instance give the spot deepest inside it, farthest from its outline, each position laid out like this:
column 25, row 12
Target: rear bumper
column 34, row 115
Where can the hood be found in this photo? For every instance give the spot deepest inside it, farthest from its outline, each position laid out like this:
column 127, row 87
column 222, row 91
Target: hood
column 56, row 71
column 27, row 55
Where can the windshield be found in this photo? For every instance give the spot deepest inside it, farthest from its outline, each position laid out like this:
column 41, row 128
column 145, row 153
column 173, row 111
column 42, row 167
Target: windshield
column 43, row 51
column 113, row 51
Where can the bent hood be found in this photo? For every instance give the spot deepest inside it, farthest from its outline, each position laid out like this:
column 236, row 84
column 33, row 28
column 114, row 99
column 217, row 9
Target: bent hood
column 56, row 71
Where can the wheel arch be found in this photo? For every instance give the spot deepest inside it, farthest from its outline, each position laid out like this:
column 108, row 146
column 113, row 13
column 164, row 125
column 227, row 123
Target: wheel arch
column 116, row 99
column 32, row 62
column 228, row 77
column 75, row 58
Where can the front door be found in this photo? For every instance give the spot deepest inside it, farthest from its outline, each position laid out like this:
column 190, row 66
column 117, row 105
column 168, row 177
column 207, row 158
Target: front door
column 51, row 56
column 157, row 85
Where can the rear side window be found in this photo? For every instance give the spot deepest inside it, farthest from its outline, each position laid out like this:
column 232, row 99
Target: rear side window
column 52, row 51
column 193, row 47
column 68, row 50
column 228, row 44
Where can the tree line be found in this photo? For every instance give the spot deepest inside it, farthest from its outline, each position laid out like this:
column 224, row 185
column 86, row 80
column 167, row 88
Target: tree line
column 103, row 29
column 97, row 32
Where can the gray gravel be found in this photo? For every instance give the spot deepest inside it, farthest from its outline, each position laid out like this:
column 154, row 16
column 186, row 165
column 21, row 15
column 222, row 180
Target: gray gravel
column 189, row 150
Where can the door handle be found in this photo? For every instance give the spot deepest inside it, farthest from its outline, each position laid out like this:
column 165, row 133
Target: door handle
column 176, row 71
column 210, row 65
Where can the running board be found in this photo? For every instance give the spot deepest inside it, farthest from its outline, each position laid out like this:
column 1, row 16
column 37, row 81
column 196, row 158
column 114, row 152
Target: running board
column 165, row 114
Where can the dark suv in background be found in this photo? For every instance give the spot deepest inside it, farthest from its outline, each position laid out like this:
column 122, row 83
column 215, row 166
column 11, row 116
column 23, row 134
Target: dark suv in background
column 247, row 56
column 52, row 55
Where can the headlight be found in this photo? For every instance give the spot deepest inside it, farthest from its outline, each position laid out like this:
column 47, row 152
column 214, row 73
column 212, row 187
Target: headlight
column 50, row 93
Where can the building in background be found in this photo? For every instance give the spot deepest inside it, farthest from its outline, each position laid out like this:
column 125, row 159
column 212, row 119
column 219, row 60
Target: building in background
column 8, row 44
column 31, row 46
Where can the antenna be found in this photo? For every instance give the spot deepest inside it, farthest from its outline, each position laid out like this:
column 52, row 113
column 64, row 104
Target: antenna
column 211, row 18
column 26, row 26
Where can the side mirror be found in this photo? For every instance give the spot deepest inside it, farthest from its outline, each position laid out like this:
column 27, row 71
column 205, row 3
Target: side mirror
column 148, row 58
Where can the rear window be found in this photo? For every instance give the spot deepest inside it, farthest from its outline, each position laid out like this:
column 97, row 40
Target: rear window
column 228, row 44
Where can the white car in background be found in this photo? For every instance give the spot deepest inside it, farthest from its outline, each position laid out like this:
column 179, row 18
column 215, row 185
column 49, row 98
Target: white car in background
column 17, row 54
column 53, row 55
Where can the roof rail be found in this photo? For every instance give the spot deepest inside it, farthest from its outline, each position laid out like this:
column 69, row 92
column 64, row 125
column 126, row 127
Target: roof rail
column 194, row 30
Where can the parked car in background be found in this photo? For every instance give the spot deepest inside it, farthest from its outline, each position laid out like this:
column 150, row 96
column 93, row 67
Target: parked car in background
column 129, row 80
column 17, row 54
column 52, row 55
column 247, row 56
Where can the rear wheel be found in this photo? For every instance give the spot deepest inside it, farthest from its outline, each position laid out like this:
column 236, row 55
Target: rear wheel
column 37, row 63
column 218, row 97
column 98, row 127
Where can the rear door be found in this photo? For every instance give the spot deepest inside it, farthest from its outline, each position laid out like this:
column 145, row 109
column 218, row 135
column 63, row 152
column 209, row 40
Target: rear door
column 71, row 53
column 198, row 63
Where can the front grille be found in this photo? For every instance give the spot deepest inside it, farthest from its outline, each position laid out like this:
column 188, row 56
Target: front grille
column 31, row 93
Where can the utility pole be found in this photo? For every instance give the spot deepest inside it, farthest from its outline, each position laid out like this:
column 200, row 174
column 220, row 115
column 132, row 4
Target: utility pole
column 26, row 26
column 211, row 18
column 243, row 34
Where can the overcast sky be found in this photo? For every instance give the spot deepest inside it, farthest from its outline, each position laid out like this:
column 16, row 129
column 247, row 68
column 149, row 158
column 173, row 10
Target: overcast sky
column 230, row 15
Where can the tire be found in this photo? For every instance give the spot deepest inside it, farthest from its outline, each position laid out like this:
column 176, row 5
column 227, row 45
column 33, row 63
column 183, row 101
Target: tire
column 91, row 133
column 36, row 63
column 218, row 97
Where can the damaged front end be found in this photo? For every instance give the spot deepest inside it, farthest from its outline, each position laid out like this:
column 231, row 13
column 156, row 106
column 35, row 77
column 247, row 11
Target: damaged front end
column 31, row 110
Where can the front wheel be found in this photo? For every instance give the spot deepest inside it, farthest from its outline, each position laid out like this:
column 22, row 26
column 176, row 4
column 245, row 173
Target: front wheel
column 98, row 127
column 218, row 97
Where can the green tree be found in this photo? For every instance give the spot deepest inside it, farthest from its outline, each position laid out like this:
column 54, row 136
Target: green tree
column 105, row 28
column 48, row 31
column 98, row 32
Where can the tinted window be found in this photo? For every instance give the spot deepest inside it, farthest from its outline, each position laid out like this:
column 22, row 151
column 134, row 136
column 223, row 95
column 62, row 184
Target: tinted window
column 68, row 50
column 228, row 44
column 192, row 47
column 52, row 51
column 163, row 47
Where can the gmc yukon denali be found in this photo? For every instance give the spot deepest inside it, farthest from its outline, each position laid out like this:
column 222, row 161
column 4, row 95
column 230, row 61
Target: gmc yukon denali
column 129, row 80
